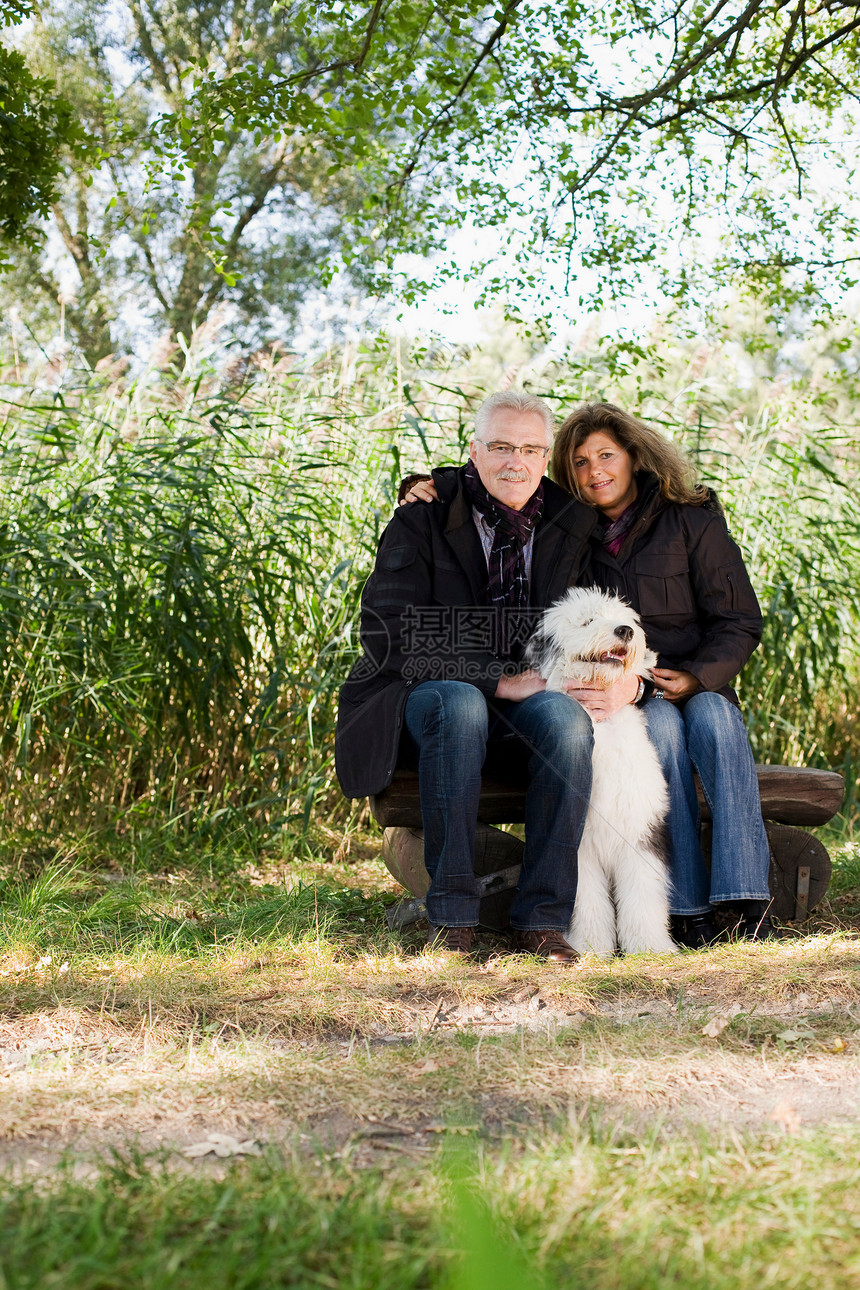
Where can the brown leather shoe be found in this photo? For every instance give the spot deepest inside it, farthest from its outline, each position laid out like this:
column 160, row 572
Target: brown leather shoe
column 546, row 943
column 454, row 940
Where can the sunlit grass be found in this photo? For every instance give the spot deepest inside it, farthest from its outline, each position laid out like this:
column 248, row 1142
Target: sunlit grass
column 66, row 931
column 422, row 1123
column 583, row 1206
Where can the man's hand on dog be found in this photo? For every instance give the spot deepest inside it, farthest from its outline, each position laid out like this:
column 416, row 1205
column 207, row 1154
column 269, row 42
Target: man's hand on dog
column 602, row 704
column 519, row 687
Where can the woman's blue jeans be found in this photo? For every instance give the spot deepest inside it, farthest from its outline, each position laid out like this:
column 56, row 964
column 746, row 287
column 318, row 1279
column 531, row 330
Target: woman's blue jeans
column 708, row 732
column 453, row 728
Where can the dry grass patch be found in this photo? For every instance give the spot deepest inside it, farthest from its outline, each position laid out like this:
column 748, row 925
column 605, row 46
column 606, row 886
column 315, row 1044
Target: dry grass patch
column 425, row 1122
column 326, row 986
column 84, row 1078
column 135, row 1013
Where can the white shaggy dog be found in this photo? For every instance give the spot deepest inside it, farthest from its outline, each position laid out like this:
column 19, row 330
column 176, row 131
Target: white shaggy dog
column 594, row 638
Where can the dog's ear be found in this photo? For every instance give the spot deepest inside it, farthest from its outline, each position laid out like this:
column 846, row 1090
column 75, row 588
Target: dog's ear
column 541, row 652
column 649, row 660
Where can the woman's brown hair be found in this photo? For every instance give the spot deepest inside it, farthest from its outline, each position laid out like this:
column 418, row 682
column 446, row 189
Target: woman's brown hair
column 649, row 450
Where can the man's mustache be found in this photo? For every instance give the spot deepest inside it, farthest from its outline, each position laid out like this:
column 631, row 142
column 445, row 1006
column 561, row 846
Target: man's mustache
column 514, row 476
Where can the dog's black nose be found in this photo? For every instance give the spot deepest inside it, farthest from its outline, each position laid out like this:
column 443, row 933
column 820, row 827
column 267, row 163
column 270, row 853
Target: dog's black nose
column 624, row 633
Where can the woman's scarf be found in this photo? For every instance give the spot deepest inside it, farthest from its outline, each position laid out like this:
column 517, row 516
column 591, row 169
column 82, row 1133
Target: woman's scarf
column 615, row 532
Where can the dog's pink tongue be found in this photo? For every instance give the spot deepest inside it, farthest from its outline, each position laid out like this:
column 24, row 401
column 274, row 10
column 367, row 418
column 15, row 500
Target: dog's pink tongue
column 613, row 656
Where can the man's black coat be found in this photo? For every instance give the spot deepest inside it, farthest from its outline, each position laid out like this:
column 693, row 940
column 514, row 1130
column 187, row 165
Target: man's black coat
column 415, row 622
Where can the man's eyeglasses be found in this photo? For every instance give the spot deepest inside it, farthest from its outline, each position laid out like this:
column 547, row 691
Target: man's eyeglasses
column 530, row 452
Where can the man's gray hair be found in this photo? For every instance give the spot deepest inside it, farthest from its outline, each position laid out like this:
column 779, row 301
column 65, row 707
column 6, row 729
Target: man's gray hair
column 530, row 404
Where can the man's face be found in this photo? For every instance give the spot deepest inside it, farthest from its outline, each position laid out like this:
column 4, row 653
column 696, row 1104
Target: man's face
column 511, row 477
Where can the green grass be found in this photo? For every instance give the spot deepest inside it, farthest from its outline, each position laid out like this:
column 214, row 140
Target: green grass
column 185, row 941
column 608, row 1149
column 582, row 1207
column 263, row 1226
column 64, row 910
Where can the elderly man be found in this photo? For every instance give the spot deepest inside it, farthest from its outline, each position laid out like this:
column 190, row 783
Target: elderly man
column 453, row 597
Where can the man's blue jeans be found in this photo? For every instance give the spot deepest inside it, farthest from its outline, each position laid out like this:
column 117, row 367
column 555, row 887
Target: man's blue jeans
column 708, row 732
column 452, row 728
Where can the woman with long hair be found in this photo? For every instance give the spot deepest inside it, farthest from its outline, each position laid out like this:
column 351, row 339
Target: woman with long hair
column 662, row 544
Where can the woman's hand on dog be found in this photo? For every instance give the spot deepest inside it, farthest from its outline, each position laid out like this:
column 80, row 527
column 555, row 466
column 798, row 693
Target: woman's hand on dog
column 602, row 704
column 675, row 685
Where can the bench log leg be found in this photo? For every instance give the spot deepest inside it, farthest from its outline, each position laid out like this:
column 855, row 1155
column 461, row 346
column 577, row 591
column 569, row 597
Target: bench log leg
column 498, row 857
column 799, row 872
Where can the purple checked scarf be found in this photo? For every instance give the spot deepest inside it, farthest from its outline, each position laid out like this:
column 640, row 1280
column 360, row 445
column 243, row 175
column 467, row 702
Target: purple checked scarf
column 508, row 581
column 615, row 532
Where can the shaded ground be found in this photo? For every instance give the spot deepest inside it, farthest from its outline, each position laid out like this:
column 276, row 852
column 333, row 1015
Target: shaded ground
column 499, row 1056
column 156, row 1013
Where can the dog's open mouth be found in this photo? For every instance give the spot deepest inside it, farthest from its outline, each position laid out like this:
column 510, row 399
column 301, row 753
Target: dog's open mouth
column 617, row 655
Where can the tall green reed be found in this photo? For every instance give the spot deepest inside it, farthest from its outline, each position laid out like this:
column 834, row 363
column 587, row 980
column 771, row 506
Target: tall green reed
column 794, row 508
column 182, row 557
column 180, row 569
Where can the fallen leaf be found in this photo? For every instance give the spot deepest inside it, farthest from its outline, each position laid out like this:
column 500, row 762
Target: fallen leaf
column 836, row 1045
column 785, row 1115
column 45, row 961
column 792, row 1036
column 717, row 1024
column 64, row 967
column 577, row 1019
column 222, row 1144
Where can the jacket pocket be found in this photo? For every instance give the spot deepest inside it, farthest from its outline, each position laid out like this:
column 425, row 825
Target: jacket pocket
column 663, row 583
column 732, row 577
column 397, row 557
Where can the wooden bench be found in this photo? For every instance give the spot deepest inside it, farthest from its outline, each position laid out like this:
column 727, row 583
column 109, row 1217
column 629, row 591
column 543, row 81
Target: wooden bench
column 790, row 796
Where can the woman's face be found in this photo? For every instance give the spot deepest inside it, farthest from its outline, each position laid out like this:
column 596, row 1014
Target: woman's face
column 604, row 473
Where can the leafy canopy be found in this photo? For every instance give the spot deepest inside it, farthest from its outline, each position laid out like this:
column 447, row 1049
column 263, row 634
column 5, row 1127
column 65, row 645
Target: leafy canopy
column 605, row 136
column 35, row 124
column 612, row 148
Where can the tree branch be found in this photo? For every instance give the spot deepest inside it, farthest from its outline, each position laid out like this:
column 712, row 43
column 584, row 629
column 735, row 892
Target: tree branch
column 683, row 108
column 262, row 188
column 341, row 64
column 156, row 63
column 846, row 89
column 75, row 243
column 788, row 139
column 445, row 111
column 375, row 15
column 665, row 88
column 143, row 243
column 786, row 46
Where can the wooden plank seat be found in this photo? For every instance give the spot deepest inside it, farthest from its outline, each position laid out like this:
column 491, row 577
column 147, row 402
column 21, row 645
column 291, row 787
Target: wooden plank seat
column 790, row 796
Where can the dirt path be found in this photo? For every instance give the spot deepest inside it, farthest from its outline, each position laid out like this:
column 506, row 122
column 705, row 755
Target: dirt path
column 71, row 1080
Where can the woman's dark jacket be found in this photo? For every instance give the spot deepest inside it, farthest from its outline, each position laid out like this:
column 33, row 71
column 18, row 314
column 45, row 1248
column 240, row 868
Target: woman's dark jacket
column 683, row 574
column 415, row 620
